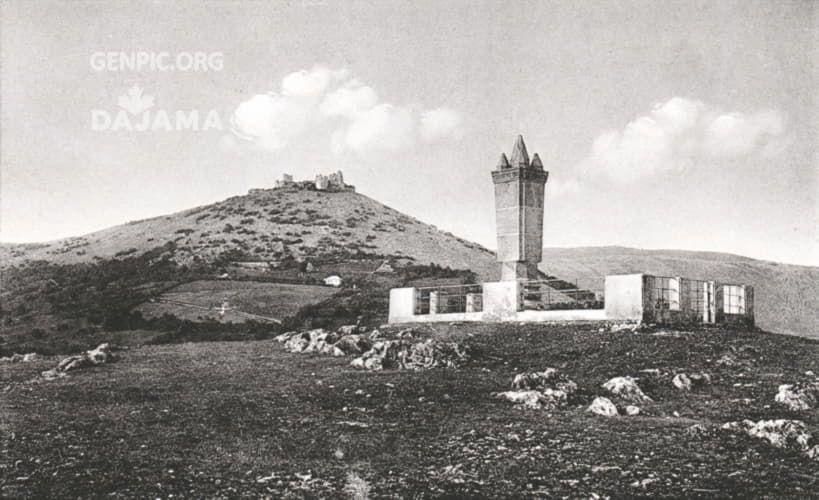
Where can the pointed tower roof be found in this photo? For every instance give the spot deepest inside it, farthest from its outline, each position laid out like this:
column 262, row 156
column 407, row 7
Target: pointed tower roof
column 520, row 158
column 536, row 163
column 503, row 162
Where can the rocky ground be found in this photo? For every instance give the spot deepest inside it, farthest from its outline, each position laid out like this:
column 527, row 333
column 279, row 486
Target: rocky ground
column 464, row 411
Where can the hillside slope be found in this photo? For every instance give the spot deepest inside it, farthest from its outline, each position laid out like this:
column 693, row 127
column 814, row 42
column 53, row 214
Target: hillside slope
column 295, row 223
column 270, row 225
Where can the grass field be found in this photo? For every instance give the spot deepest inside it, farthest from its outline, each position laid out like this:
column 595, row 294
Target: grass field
column 249, row 420
column 201, row 299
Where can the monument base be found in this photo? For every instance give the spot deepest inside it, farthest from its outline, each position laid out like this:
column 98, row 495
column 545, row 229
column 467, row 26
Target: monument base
column 519, row 271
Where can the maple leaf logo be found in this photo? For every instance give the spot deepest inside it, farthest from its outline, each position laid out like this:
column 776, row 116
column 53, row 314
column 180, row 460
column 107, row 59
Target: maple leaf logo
column 134, row 102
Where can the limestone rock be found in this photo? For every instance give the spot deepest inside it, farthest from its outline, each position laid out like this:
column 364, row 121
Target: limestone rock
column 547, row 379
column 799, row 396
column 52, row 374
column 780, row 433
column 554, row 388
column 318, row 340
column 685, row 382
column 297, row 342
column 628, row 327
column 682, row 382
column 406, row 334
column 101, row 354
column 627, row 389
column 529, row 399
column 603, row 406
column 284, row 337
column 632, row 410
column 20, row 358
column 353, row 344
column 347, row 329
column 405, row 354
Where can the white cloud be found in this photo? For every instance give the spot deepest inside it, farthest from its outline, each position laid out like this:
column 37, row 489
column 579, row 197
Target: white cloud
column 271, row 120
column 440, row 123
column 311, row 83
column 321, row 99
column 681, row 133
column 737, row 134
column 382, row 128
column 349, row 101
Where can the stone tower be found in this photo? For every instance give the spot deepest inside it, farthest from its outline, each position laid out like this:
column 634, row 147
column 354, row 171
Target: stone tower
column 519, row 185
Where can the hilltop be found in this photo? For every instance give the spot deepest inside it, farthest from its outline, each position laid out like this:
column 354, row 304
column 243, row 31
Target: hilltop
column 269, row 225
column 278, row 227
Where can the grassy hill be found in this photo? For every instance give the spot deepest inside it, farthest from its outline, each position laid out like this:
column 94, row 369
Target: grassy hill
column 249, row 420
column 347, row 233
column 269, row 225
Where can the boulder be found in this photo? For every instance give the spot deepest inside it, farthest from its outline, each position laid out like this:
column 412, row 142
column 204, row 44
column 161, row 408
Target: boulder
column 627, row 389
column 406, row 334
column 101, row 354
column 284, row 337
column 347, row 329
column 554, row 388
column 319, row 341
column 632, row 410
column 311, row 341
column 780, row 433
column 628, row 327
column 52, row 374
column 297, row 342
column 682, row 382
column 353, row 344
column 20, row 358
column 603, row 406
column 530, row 399
column 685, row 382
column 404, row 354
column 799, row 396
column 547, row 379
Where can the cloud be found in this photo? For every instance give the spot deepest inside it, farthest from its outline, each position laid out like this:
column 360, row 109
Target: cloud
column 681, row 133
column 311, row 83
column 382, row 128
column 325, row 101
column 440, row 123
column 737, row 134
column 349, row 101
column 271, row 120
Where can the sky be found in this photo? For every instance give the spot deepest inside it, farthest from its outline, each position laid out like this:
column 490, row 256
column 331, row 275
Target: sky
column 677, row 125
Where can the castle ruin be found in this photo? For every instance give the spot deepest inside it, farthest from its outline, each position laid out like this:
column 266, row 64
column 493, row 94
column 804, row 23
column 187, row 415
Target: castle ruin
column 333, row 183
